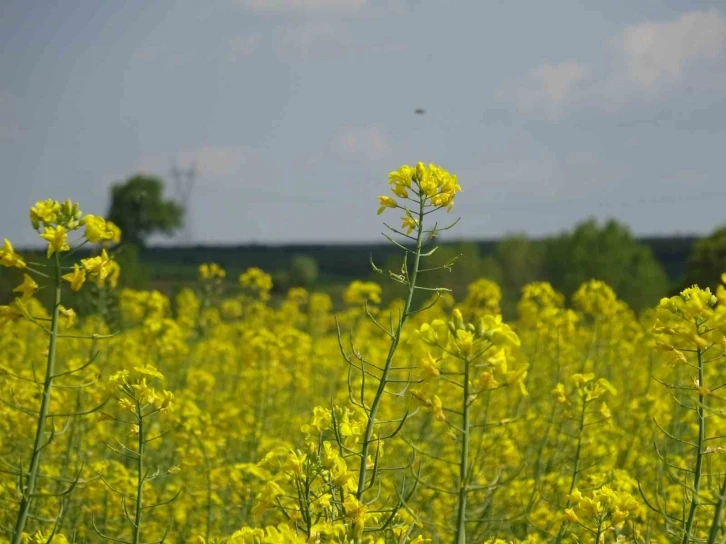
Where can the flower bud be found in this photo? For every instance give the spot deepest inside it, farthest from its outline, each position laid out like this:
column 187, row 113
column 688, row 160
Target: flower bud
column 420, row 171
column 458, row 318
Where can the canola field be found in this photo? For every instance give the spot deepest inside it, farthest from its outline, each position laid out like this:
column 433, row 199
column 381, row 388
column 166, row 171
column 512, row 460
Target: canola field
column 222, row 416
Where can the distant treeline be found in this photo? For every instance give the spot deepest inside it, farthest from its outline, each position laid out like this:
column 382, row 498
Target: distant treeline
column 640, row 270
column 341, row 262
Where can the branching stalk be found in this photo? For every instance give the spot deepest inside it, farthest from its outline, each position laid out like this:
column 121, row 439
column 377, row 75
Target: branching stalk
column 29, row 488
column 383, row 382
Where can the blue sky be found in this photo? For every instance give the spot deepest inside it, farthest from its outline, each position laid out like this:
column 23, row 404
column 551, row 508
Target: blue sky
column 294, row 111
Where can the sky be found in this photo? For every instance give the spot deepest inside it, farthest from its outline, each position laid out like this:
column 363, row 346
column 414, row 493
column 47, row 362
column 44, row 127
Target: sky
column 294, row 111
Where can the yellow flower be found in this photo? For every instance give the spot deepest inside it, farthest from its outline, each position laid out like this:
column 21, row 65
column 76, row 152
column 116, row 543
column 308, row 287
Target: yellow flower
column 115, row 232
column 487, row 380
column 57, row 238
column 27, row 288
column 210, row 271
column 8, row 257
column 429, row 367
column 576, row 496
column 356, row 512
column 570, row 515
column 166, row 400
column 114, row 271
column 258, row 281
column 126, row 404
column 402, row 176
column 400, row 191
column 560, row 394
column 409, row 223
column 437, row 408
column 144, row 393
column 45, row 211
column 465, row 341
column 323, row 501
column 149, row 370
column 9, row 313
column 98, row 267
column 96, row 229
column 386, row 202
column 69, row 314
column 76, row 278
column 118, row 379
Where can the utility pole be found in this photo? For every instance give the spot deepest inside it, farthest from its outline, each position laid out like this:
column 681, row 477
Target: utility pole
column 184, row 179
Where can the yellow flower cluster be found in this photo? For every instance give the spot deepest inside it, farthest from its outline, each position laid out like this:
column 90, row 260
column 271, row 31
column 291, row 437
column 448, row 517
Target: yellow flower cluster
column 256, row 281
column 211, row 271
column 579, row 422
column 248, row 432
column 429, row 186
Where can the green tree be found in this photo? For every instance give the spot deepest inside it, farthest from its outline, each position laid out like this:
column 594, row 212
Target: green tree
column 520, row 261
column 707, row 260
column 303, row 271
column 138, row 208
column 610, row 254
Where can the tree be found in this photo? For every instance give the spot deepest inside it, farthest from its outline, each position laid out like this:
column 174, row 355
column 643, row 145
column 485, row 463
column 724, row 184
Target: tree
column 610, row 254
column 707, row 260
column 138, row 208
column 521, row 262
column 303, row 271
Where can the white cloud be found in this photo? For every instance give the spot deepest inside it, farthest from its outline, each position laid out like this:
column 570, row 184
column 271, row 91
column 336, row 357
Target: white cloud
column 299, row 40
column 662, row 51
column 303, row 5
column 209, row 160
column 364, row 143
column 642, row 57
column 547, row 87
column 556, row 80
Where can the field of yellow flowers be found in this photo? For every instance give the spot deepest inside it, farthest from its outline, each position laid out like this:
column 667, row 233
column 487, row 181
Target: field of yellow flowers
column 221, row 416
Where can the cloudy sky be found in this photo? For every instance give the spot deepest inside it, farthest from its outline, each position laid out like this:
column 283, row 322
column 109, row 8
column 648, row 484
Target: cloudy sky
column 294, row 111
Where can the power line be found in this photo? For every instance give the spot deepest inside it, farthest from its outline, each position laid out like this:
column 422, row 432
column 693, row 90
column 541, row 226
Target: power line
column 260, row 197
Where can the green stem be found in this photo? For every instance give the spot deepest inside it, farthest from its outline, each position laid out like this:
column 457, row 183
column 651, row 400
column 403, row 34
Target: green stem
column 695, row 498
column 140, row 478
column 576, row 469
column 389, row 359
column 208, row 474
column 38, row 446
column 718, row 515
column 460, row 537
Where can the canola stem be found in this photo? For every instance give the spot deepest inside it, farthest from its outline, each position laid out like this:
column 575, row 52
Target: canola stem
column 695, row 499
column 575, row 470
column 718, row 515
column 362, row 475
column 27, row 498
column 460, row 537
column 140, row 480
